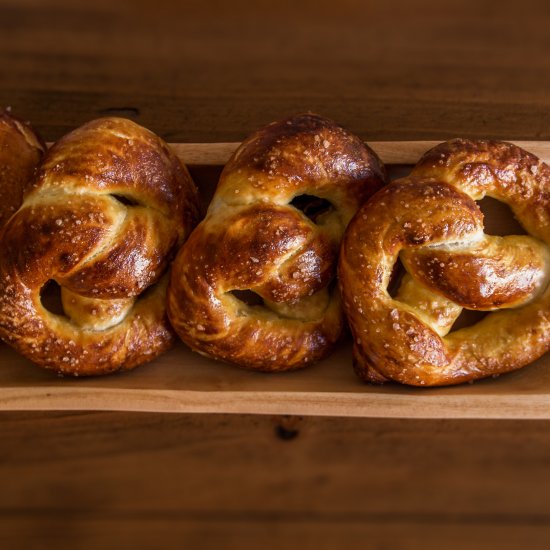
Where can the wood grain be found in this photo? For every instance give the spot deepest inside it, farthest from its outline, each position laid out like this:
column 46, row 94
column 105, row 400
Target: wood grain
column 213, row 71
column 89, row 480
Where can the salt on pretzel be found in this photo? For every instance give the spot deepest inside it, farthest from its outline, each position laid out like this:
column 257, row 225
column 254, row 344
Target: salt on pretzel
column 109, row 206
column 264, row 232
column 432, row 222
column 21, row 150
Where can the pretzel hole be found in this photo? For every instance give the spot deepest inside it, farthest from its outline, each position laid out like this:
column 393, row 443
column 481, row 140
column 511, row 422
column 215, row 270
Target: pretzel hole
column 126, row 201
column 50, row 296
column 313, row 207
column 467, row 318
column 249, row 297
column 151, row 289
column 397, row 274
column 499, row 219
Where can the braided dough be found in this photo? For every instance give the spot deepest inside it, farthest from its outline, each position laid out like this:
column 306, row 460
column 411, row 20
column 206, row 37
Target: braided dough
column 432, row 222
column 20, row 152
column 110, row 205
column 254, row 237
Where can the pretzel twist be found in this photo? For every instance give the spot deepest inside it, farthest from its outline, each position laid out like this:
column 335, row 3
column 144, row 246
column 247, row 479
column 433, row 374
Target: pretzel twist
column 432, row 222
column 108, row 208
column 20, row 153
column 255, row 237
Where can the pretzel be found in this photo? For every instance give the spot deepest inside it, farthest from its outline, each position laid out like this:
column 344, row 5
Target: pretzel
column 262, row 233
column 109, row 206
column 20, row 152
column 431, row 221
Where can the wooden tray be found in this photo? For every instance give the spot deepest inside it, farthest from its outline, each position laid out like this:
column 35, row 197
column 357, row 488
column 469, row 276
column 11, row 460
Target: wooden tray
column 182, row 381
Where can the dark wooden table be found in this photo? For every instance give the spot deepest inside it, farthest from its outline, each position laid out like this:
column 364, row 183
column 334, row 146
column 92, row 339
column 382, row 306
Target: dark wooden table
column 214, row 71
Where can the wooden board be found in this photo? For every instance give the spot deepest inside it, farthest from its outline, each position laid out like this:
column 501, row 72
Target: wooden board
column 182, row 381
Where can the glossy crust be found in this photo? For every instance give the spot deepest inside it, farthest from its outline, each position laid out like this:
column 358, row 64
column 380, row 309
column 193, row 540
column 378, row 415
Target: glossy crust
column 253, row 238
column 432, row 222
column 109, row 207
column 20, row 153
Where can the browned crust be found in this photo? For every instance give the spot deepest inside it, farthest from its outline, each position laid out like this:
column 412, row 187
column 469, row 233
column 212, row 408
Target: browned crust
column 432, row 221
column 253, row 238
column 21, row 150
column 307, row 152
column 497, row 169
column 74, row 229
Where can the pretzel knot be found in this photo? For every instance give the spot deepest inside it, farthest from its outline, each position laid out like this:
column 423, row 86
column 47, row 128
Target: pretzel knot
column 273, row 229
column 431, row 221
column 109, row 205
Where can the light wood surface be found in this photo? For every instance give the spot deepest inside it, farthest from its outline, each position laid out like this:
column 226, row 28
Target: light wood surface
column 182, row 381
column 204, row 71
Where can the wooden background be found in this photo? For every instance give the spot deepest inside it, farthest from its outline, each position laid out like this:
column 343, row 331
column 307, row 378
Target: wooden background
column 213, row 71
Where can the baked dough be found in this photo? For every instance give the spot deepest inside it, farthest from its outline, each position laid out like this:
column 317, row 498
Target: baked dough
column 21, row 150
column 109, row 207
column 431, row 221
column 273, row 228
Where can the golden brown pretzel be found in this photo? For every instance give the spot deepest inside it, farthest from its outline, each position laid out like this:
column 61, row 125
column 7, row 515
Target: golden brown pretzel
column 20, row 152
column 108, row 208
column 255, row 237
column 432, row 222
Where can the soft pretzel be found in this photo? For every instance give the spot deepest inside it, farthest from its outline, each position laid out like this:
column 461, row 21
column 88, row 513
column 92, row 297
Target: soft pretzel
column 109, row 206
column 257, row 236
column 432, row 222
column 20, row 152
